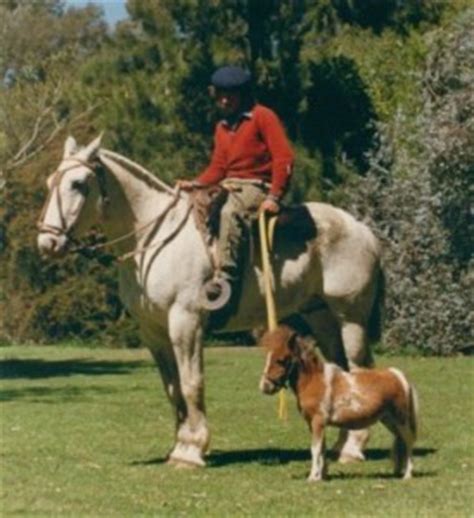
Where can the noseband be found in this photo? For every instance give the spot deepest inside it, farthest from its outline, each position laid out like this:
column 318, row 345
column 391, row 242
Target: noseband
column 284, row 380
column 62, row 230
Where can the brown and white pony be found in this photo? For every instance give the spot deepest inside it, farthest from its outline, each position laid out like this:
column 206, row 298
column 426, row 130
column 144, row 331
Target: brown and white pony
column 330, row 396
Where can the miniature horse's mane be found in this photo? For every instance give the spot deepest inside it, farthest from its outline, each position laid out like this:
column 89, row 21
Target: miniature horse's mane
column 308, row 352
column 305, row 349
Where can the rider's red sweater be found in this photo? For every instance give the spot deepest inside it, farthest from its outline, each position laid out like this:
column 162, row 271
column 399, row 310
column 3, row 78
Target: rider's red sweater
column 257, row 148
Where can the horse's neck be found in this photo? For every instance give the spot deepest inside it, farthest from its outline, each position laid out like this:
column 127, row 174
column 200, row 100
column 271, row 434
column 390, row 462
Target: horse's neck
column 308, row 366
column 132, row 201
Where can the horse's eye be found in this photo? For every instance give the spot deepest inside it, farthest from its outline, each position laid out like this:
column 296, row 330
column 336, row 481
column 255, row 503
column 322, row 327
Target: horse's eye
column 281, row 363
column 81, row 187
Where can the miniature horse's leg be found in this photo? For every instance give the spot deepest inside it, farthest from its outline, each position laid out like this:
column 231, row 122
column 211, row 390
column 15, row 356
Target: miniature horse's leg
column 402, row 448
column 318, row 462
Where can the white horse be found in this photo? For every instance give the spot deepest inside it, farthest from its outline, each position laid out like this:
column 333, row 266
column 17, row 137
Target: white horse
column 331, row 280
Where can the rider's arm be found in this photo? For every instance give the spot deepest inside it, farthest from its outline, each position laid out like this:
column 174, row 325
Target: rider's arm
column 216, row 169
column 273, row 133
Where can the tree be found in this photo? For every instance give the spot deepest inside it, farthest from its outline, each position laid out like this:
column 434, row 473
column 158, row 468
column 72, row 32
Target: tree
column 421, row 202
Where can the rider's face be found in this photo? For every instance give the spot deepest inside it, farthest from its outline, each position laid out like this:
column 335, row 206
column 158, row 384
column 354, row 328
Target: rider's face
column 228, row 101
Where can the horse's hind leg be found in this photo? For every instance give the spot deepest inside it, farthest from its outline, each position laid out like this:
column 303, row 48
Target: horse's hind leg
column 354, row 339
column 402, row 449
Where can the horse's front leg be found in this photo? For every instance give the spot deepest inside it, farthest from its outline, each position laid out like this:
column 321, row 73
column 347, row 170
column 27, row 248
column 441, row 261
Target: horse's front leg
column 192, row 434
column 318, row 462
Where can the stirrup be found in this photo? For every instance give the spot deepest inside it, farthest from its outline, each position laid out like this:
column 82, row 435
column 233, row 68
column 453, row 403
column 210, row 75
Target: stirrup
column 216, row 294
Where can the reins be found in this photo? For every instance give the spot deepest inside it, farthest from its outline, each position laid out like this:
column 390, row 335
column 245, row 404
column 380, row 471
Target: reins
column 136, row 232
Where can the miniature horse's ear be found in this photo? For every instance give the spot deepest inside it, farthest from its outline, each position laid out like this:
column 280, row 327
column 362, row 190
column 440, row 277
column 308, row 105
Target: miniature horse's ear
column 307, row 346
column 294, row 342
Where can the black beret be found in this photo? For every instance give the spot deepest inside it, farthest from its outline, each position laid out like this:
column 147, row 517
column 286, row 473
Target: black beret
column 230, row 77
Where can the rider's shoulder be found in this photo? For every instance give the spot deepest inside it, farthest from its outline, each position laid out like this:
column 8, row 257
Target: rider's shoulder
column 262, row 112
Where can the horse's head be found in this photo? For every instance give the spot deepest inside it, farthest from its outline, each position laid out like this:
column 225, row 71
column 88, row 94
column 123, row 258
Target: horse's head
column 74, row 190
column 283, row 349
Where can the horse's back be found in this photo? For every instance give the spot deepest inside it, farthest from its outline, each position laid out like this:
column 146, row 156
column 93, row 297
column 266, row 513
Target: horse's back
column 342, row 241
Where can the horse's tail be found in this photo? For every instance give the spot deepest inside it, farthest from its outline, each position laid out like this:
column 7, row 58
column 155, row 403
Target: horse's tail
column 376, row 317
column 412, row 402
column 413, row 410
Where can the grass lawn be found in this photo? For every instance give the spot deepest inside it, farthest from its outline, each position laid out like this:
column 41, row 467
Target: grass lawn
column 85, row 432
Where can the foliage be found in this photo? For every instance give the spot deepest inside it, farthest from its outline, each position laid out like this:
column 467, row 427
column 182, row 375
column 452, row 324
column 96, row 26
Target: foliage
column 360, row 86
column 39, row 43
column 86, row 433
column 421, row 205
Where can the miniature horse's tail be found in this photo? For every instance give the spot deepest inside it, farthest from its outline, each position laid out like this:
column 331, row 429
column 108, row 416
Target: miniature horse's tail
column 406, row 428
column 413, row 410
column 412, row 403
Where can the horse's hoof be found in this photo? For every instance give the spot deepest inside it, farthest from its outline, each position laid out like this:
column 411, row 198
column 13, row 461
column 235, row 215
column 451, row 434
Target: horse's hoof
column 183, row 464
column 346, row 458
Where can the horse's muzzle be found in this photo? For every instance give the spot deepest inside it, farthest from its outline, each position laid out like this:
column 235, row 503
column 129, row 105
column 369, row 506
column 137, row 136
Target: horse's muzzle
column 268, row 387
column 52, row 245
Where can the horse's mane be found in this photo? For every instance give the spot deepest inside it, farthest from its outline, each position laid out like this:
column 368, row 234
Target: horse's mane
column 309, row 353
column 137, row 170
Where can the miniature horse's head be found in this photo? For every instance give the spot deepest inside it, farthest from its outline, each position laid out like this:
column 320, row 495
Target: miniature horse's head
column 285, row 348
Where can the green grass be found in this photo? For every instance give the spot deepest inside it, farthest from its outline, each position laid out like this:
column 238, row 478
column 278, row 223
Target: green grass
column 85, row 433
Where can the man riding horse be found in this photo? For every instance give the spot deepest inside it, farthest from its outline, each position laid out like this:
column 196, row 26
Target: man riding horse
column 252, row 158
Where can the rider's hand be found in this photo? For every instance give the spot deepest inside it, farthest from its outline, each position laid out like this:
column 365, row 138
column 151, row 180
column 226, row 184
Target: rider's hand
column 186, row 185
column 269, row 205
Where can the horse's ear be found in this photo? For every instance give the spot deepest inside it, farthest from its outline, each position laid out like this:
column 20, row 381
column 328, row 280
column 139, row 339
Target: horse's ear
column 294, row 342
column 70, row 147
column 91, row 150
column 303, row 344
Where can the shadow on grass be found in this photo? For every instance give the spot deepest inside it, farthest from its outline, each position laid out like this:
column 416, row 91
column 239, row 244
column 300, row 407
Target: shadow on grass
column 43, row 394
column 269, row 456
column 279, row 456
column 388, row 475
column 38, row 368
column 381, row 453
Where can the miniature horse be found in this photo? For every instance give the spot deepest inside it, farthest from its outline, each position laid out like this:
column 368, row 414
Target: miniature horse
column 327, row 395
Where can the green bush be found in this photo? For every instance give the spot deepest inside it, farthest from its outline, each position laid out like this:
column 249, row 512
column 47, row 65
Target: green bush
column 420, row 205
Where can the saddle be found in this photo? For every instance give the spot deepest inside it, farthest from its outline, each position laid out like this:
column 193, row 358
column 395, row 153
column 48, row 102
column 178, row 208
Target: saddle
column 293, row 222
column 207, row 203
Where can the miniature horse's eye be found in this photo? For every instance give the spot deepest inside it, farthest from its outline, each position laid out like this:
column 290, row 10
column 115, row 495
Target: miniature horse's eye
column 80, row 186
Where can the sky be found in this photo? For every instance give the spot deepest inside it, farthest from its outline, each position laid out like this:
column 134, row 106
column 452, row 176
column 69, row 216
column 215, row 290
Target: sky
column 114, row 10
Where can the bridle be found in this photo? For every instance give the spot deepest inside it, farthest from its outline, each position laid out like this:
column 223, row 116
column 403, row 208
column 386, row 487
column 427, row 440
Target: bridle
column 58, row 176
column 63, row 231
column 284, row 380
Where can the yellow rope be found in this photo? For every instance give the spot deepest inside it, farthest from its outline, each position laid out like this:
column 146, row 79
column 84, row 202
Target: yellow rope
column 266, row 243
